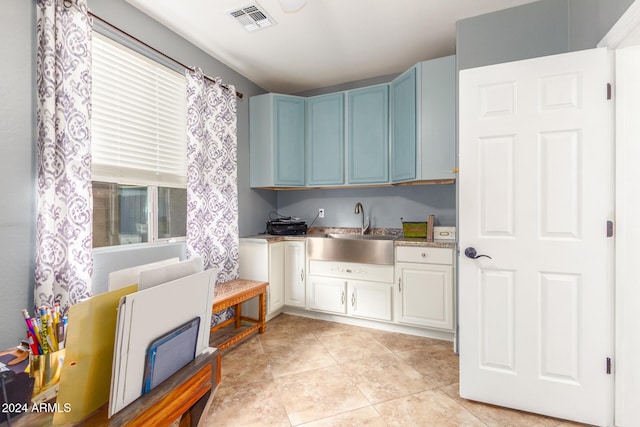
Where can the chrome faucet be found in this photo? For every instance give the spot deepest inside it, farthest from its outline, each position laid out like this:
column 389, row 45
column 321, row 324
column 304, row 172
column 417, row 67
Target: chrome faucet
column 360, row 210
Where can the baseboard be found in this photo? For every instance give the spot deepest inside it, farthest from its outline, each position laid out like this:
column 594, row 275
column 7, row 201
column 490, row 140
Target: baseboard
column 366, row 323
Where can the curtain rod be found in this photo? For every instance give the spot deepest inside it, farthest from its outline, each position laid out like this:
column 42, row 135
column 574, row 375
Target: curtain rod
column 238, row 94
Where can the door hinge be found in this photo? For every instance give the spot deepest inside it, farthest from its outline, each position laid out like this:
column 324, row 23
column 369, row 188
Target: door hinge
column 609, row 94
column 609, row 228
column 608, row 365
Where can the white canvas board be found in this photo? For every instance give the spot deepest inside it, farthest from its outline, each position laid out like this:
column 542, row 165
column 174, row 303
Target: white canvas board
column 167, row 273
column 130, row 276
column 148, row 314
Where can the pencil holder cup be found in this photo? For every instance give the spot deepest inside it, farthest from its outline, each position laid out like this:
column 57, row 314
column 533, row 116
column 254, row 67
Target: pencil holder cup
column 45, row 370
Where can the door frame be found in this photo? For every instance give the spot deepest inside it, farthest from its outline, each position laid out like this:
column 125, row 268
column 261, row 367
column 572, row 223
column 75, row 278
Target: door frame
column 626, row 33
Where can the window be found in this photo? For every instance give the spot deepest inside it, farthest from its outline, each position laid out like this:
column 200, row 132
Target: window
column 121, row 213
column 138, row 147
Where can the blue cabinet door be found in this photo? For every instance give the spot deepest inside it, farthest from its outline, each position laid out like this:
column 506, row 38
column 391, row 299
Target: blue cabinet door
column 325, row 140
column 437, row 119
column 368, row 135
column 276, row 141
column 403, row 116
column 289, row 140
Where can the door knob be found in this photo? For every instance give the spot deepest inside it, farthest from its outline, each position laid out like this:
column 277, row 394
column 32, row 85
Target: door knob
column 471, row 253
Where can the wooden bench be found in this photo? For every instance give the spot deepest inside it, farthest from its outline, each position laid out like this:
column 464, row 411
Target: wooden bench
column 233, row 294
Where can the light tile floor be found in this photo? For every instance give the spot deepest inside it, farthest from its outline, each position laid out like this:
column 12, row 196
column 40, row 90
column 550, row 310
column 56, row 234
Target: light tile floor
column 312, row 373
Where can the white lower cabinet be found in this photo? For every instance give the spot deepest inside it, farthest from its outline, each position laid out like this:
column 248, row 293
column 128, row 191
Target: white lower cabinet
column 418, row 292
column 424, row 287
column 345, row 291
column 260, row 260
column 279, row 263
column 294, row 273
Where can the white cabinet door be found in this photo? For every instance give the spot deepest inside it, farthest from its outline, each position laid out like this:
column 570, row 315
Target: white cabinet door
column 425, row 295
column 254, row 260
column 260, row 260
column 294, row 274
column 275, row 290
column 355, row 298
column 535, row 194
column 369, row 299
column 327, row 294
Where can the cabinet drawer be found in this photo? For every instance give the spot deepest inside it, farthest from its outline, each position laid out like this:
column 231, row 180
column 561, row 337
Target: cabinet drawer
column 424, row 255
column 350, row 270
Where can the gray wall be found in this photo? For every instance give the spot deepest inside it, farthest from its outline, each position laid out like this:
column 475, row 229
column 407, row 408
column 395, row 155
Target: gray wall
column 17, row 167
column 348, row 85
column 536, row 29
column 590, row 20
column 384, row 206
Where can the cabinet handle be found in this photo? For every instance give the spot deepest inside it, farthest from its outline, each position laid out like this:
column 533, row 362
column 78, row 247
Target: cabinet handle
column 424, row 255
column 301, row 275
column 343, row 297
column 399, row 284
column 353, row 299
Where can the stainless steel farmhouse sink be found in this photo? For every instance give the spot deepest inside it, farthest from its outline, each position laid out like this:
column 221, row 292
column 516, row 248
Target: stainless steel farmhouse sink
column 366, row 249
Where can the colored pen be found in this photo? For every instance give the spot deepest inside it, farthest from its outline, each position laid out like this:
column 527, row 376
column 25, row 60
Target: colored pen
column 27, row 320
column 53, row 341
column 44, row 332
column 32, row 331
column 32, row 343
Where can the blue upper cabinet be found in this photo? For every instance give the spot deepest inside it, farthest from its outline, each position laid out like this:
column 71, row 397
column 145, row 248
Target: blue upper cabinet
column 325, row 140
column 403, row 132
column 403, row 118
column 437, row 119
column 368, row 135
column 276, row 140
column 422, row 111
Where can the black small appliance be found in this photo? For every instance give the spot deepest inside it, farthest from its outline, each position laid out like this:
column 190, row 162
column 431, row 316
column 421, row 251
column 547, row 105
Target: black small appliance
column 286, row 226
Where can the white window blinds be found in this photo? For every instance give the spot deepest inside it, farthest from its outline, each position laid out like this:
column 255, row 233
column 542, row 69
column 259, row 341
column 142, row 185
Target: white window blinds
column 138, row 118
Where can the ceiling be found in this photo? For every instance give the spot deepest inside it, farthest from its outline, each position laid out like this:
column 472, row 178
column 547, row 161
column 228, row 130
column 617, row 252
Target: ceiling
column 327, row 42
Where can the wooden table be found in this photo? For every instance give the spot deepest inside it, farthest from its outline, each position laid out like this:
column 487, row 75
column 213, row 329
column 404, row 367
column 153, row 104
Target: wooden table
column 186, row 395
column 233, row 294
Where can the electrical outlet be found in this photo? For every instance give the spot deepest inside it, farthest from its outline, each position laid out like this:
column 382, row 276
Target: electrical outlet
column 320, row 213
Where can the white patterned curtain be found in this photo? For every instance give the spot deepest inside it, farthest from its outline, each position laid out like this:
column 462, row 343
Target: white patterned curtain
column 64, row 260
column 212, row 183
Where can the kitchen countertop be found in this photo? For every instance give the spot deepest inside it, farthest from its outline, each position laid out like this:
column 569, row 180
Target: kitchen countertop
column 321, row 232
column 413, row 241
column 273, row 238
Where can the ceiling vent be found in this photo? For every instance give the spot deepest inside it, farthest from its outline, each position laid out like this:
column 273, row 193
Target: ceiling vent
column 252, row 17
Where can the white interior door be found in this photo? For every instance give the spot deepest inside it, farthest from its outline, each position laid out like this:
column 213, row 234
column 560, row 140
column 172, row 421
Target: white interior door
column 535, row 194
